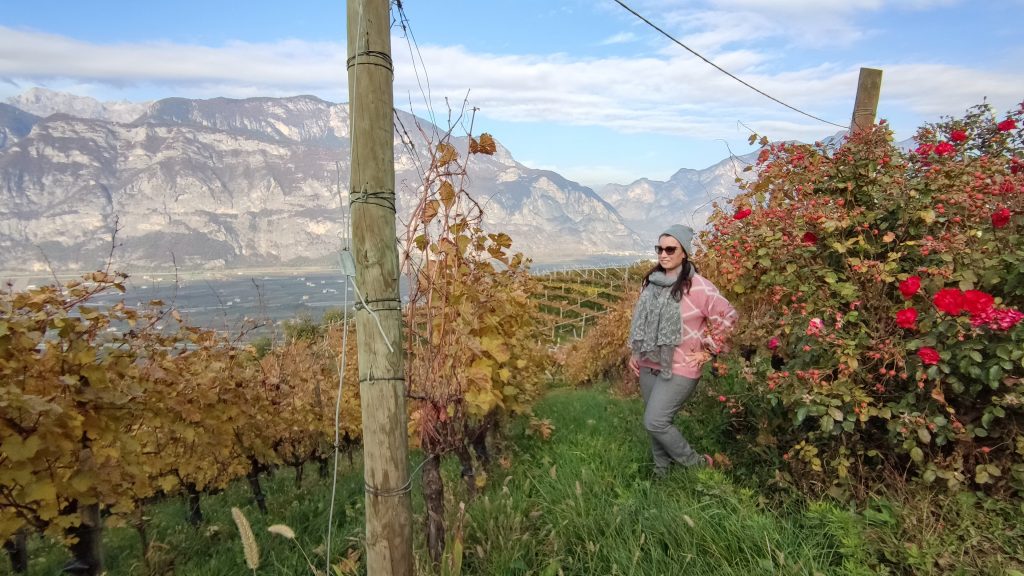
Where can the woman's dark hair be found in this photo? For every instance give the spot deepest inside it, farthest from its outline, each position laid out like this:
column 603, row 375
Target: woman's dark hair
column 682, row 283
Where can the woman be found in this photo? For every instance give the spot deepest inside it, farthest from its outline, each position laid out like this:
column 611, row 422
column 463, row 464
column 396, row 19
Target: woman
column 679, row 322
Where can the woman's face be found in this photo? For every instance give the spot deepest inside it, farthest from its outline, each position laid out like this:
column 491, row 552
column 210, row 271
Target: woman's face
column 670, row 253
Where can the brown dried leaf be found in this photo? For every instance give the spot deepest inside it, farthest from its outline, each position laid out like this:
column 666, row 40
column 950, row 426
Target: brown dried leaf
column 446, row 154
column 485, row 145
column 447, row 194
column 429, row 211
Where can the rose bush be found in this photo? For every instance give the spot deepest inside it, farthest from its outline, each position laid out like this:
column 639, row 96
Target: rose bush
column 885, row 287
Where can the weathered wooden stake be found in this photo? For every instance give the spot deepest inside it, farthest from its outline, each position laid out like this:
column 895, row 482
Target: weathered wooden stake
column 375, row 251
column 869, row 86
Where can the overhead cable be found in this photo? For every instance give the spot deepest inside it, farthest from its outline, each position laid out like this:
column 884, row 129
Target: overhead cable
column 724, row 71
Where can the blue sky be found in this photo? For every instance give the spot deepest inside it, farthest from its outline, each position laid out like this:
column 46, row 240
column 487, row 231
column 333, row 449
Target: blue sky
column 577, row 86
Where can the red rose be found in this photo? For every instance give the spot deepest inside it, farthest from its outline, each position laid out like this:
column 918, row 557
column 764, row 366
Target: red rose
column 977, row 302
column 945, row 149
column 906, row 318
column 809, row 238
column 924, row 149
column 949, row 300
column 1001, row 217
column 928, row 356
column 741, row 214
column 910, row 286
column 958, row 136
column 1007, row 125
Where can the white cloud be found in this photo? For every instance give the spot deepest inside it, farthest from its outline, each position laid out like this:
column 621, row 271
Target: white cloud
column 711, row 25
column 664, row 93
column 799, row 6
column 935, row 89
column 291, row 65
column 620, row 38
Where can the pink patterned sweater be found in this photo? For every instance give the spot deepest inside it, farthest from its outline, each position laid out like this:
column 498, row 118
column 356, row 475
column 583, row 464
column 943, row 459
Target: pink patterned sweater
column 707, row 319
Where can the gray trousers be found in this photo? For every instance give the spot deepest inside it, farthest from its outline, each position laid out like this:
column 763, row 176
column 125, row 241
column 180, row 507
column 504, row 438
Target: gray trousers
column 662, row 400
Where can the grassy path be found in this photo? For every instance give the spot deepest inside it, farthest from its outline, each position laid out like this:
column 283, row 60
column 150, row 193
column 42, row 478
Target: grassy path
column 584, row 502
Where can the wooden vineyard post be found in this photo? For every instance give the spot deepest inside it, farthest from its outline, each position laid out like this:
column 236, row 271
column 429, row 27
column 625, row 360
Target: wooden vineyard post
column 379, row 324
column 869, row 86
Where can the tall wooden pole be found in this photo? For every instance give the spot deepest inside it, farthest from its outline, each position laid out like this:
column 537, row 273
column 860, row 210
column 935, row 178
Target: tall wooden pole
column 869, row 85
column 375, row 250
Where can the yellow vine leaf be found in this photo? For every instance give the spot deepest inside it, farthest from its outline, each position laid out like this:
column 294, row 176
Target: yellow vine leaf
column 40, row 491
column 480, row 371
column 168, row 483
column 18, row 449
column 480, row 402
column 83, row 482
column 496, row 347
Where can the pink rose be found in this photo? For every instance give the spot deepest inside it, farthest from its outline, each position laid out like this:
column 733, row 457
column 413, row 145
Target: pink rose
column 815, row 327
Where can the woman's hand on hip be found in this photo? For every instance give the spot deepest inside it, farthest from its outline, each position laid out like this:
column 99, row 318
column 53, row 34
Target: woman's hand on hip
column 634, row 367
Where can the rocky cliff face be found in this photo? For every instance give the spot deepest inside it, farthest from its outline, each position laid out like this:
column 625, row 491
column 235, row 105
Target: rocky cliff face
column 14, row 124
column 233, row 183
column 650, row 206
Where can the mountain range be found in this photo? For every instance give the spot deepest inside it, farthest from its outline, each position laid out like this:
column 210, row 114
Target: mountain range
column 261, row 182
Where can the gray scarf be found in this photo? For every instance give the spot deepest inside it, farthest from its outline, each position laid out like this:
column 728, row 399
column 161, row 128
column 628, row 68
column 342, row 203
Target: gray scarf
column 657, row 327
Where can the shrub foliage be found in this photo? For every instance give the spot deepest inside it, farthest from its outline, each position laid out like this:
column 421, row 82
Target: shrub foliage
column 882, row 290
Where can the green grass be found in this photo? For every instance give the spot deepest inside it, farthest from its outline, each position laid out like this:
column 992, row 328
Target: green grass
column 214, row 548
column 584, row 502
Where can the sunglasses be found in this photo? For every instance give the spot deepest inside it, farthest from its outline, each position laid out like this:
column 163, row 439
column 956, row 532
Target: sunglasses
column 670, row 250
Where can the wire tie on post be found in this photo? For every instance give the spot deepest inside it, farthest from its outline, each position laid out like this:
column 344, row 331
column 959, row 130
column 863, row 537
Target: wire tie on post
column 374, row 491
column 375, row 58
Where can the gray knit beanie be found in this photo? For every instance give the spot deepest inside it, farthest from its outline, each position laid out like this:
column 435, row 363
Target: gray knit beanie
column 684, row 234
